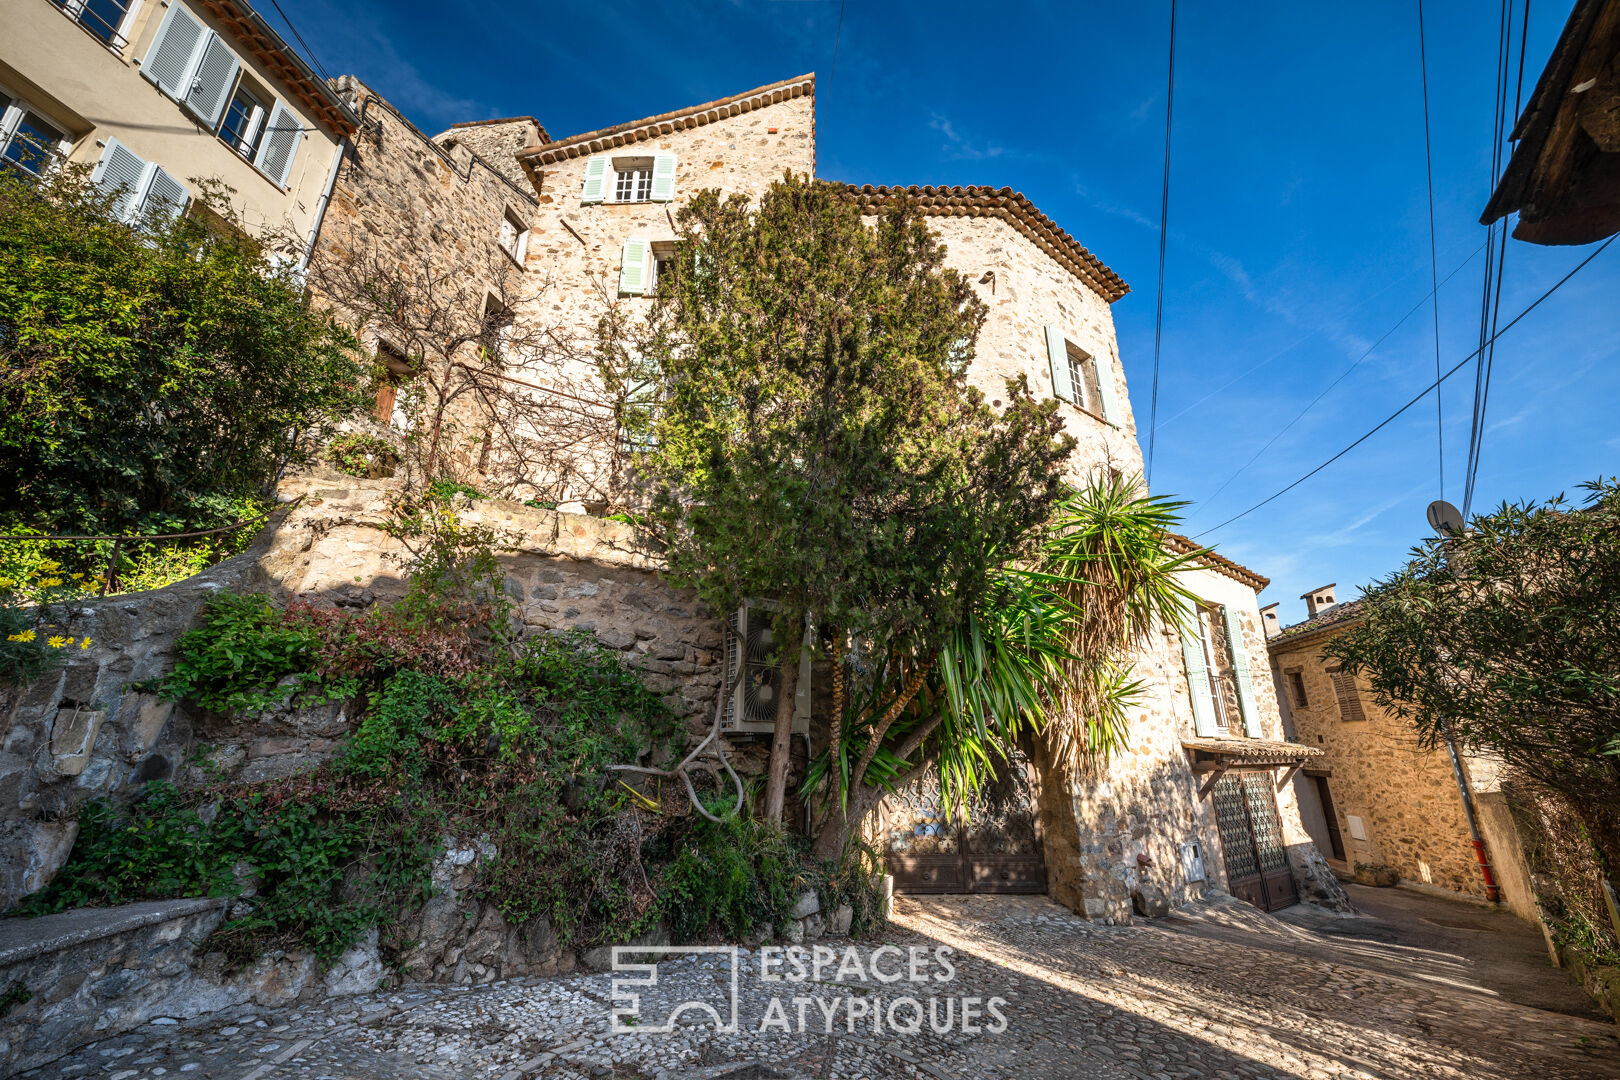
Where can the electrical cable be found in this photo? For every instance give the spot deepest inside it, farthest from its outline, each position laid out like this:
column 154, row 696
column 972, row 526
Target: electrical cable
column 1413, row 310
column 1421, row 395
column 1434, row 268
column 1164, row 236
column 300, row 39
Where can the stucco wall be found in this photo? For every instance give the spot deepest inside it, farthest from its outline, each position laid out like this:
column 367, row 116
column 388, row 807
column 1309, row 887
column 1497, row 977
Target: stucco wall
column 97, row 92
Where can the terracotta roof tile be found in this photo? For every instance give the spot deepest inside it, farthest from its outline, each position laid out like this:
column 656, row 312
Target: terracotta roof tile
column 1017, row 211
column 1337, row 615
column 595, row 142
column 1183, row 545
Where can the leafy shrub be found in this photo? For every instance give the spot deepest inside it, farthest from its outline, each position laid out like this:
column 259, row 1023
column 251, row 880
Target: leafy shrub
column 25, row 656
column 444, row 490
column 731, row 877
column 361, row 455
column 236, row 659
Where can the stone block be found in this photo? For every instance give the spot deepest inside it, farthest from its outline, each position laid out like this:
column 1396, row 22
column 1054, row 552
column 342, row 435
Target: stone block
column 358, row 971
column 73, row 736
column 1150, row 901
column 842, row 919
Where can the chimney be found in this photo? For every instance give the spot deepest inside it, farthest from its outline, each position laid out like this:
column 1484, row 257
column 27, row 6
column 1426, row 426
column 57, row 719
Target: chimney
column 1319, row 600
column 1268, row 620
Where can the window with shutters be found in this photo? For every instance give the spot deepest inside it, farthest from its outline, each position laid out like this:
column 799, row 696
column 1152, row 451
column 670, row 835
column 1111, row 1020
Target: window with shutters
column 1349, row 698
column 1080, row 379
column 106, row 20
column 29, row 143
column 1083, row 379
column 1218, row 662
column 632, row 179
column 514, row 237
column 143, row 189
column 242, row 126
column 394, row 372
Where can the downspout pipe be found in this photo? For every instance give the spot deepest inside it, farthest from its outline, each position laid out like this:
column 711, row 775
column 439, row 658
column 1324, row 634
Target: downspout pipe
column 320, row 207
column 1492, row 891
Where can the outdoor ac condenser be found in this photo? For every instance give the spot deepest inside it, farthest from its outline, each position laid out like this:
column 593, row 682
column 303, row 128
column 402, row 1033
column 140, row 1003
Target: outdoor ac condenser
column 752, row 680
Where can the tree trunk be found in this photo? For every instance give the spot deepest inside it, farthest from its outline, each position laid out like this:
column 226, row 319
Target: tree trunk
column 781, row 740
column 836, row 833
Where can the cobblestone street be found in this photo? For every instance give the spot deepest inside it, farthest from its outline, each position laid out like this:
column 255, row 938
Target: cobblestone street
column 1217, row 989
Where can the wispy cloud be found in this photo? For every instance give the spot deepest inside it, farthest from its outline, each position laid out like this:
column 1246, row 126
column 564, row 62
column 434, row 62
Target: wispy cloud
column 959, row 146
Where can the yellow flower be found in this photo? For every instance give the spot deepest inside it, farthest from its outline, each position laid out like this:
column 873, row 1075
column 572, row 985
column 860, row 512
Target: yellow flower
column 84, row 643
column 76, row 577
column 50, row 582
column 6, row 583
column 56, row 641
column 25, row 635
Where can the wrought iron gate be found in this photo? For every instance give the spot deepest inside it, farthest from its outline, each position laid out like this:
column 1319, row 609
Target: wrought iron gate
column 995, row 846
column 1251, row 838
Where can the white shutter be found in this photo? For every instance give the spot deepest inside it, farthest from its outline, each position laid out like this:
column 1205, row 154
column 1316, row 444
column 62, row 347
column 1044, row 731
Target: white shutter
column 164, row 195
column 1240, row 669
column 120, row 170
column 170, row 60
column 1057, row 353
column 596, row 179
column 633, row 268
column 522, row 246
column 216, row 73
column 1192, row 654
column 1105, row 390
column 663, row 178
column 280, row 143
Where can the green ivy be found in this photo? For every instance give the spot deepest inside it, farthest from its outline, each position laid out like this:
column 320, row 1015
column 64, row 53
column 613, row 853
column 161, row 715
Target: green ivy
column 236, row 660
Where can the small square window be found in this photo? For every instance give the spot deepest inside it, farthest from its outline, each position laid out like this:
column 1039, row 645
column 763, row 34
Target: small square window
column 514, row 237
column 632, row 179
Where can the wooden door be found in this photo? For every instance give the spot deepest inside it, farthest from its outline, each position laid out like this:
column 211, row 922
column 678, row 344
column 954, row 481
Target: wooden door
column 991, row 845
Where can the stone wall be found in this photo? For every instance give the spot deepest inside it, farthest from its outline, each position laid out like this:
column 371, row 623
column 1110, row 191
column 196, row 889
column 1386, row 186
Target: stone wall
column 496, row 143
column 1406, row 798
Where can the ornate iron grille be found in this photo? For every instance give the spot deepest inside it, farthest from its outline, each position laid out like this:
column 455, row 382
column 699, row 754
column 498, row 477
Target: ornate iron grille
column 1237, row 838
column 1000, row 817
column 1263, row 815
column 918, row 822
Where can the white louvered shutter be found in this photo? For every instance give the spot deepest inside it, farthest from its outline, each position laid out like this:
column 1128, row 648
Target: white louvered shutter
column 663, row 178
column 1057, row 354
column 216, row 73
column 633, row 268
column 1240, row 670
column 1105, row 390
column 169, row 61
column 164, row 195
column 1192, row 654
column 120, row 170
column 281, row 138
column 596, row 180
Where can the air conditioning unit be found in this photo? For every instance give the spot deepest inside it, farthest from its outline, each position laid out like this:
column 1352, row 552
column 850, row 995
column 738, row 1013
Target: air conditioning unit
column 752, row 679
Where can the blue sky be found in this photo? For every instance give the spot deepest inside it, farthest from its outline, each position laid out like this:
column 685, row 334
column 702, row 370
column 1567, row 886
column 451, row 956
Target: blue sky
column 1298, row 222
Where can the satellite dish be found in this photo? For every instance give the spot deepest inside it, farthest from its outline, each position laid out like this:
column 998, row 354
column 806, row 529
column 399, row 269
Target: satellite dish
column 1445, row 519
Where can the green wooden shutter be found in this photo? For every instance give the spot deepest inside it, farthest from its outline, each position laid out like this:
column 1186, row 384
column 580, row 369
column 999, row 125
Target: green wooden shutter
column 216, row 72
column 169, row 61
column 1240, row 669
column 596, row 170
column 1105, row 390
column 633, row 268
column 663, row 178
column 1057, row 352
column 1192, row 653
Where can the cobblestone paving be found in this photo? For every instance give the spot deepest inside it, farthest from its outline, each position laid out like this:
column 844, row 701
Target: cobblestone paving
column 1217, row 990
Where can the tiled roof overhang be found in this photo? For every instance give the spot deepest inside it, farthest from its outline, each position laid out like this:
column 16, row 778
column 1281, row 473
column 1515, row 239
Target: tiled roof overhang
column 1183, row 545
column 1253, row 751
column 1324, row 625
column 1011, row 207
column 596, row 142
column 270, row 50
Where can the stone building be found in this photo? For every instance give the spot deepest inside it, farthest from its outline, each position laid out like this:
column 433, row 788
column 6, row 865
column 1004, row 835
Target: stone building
column 162, row 97
column 1376, row 798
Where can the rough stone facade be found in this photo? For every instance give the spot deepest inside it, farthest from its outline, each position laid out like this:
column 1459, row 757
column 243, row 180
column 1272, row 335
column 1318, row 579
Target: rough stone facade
column 1406, row 806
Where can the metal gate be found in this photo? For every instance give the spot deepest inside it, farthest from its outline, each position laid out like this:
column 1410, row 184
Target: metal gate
column 1251, row 838
column 995, row 846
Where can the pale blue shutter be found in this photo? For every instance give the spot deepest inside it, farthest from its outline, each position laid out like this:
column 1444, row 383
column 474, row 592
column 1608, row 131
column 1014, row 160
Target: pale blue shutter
column 1105, row 390
column 1240, row 669
column 1057, row 353
column 216, row 72
column 596, row 179
column 169, row 60
column 165, row 195
column 1192, row 653
column 663, row 178
column 633, row 268
column 120, row 170
column 281, row 138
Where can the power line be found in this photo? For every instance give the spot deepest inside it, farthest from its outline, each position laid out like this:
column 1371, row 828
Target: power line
column 1413, row 310
column 1421, row 395
column 1164, row 235
column 837, row 35
column 300, row 39
column 1434, row 269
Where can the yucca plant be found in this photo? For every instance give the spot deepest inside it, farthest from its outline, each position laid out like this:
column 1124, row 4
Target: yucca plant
column 1045, row 653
